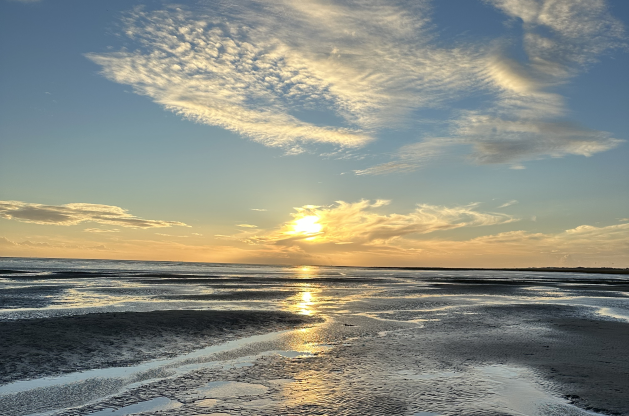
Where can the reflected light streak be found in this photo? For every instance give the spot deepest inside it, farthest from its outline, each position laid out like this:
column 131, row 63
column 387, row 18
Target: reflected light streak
column 306, row 272
column 311, row 339
column 73, row 298
column 306, row 304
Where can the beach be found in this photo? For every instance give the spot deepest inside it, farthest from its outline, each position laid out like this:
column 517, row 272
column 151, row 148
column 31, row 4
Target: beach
column 119, row 338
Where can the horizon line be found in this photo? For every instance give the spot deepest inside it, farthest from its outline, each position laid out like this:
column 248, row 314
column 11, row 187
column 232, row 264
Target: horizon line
column 580, row 269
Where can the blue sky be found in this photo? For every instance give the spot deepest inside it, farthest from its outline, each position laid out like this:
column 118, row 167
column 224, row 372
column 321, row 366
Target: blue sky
column 494, row 130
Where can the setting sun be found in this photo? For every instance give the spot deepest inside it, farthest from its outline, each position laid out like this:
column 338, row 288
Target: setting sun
column 307, row 225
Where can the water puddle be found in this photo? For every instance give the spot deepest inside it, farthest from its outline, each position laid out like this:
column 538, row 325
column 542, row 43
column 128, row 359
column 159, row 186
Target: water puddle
column 206, row 403
column 499, row 389
column 227, row 389
column 154, row 405
column 616, row 313
column 409, row 375
column 513, row 390
column 295, row 354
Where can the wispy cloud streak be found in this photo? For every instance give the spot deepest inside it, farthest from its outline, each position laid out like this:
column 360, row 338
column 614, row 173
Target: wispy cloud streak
column 72, row 214
column 508, row 203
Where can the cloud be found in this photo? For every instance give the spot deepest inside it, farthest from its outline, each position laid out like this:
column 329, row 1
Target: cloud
column 358, row 223
column 509, row 203
column 498, row 140
column 252, row 67
column 527, row 118
column 36, row 244
column 101, row 230
column 6, row 242
column 360, row 233
column 255, row 67
column 220, row 67
column 258, row 209
column 583, row 245
column 411, row 157
column 561, row 32
column 30, row 245
column 584, row 240
column 247, row 226
column 72, row 214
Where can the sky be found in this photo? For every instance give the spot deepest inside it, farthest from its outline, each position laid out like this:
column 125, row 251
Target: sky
column 450, row 133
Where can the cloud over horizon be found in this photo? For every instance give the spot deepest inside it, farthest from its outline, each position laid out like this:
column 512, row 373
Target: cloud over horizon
column 31, row 245
column 359, row 223
column 72, row 214
column 363, row 233
column 355, row 233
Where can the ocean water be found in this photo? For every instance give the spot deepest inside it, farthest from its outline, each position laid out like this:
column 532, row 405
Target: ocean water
column 57, row 287
column 342, row 363
column 32, row 287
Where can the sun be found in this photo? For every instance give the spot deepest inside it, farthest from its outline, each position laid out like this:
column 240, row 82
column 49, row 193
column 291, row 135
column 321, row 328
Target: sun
column 307, row 225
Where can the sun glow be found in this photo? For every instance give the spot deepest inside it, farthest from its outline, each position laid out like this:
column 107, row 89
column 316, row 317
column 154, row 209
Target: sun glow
column 307, row 225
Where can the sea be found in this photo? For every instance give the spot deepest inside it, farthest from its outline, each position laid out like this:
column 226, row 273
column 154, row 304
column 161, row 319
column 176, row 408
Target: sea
column 41, row 287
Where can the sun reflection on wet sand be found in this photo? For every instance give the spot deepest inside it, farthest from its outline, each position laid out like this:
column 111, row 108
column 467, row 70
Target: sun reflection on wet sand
column 307, row 303
column 73, row 298
column 309, row 341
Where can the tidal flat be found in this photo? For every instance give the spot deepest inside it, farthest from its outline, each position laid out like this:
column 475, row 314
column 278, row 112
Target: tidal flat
column 87, row 337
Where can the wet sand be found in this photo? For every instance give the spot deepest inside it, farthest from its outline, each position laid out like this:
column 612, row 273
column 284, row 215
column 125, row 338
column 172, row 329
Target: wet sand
column 394, row 343
column 54, row 346
column 582, row 358
column 448, row 367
